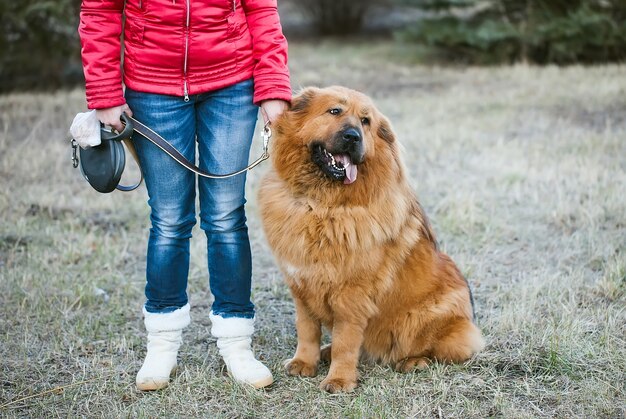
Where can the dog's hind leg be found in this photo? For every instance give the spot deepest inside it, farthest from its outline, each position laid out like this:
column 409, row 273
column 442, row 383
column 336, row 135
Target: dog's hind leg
column 462, row 340
column 412, row 363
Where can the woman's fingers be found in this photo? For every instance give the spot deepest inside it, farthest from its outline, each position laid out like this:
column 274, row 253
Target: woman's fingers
column 111, row 116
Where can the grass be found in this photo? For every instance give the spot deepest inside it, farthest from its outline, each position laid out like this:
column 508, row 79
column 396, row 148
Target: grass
column 521, row 169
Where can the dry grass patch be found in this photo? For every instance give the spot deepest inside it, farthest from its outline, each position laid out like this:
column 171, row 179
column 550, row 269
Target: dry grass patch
column 521, row 169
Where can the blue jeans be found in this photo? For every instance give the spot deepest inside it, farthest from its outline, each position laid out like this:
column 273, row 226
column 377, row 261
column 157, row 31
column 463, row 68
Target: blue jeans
column 222, row 123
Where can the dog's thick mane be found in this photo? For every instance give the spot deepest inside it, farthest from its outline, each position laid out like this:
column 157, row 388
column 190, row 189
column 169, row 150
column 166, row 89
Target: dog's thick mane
column 353, row 227
column 329, row 199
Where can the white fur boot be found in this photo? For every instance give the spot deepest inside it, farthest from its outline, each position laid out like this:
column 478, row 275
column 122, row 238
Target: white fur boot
column 164, row 338
column 234, row 337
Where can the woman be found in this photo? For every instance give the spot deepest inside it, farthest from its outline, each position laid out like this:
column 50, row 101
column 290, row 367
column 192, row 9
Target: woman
column 195, row 71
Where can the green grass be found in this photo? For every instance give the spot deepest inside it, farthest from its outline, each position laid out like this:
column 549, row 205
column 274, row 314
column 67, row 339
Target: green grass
column 521, row 170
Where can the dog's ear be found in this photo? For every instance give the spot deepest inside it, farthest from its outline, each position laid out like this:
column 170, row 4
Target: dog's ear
column 302, row 100
column 384, row 130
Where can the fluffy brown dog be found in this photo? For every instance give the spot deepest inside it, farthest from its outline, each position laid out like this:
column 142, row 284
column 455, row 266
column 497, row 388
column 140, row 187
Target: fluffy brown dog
column 355, row 246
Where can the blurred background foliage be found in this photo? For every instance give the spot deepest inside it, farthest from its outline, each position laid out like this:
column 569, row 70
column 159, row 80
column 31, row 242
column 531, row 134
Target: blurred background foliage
column 40, row 47
column 534, row 31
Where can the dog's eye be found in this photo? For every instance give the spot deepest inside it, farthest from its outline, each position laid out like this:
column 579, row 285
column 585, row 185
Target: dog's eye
column 365, row 121
column 334, row 111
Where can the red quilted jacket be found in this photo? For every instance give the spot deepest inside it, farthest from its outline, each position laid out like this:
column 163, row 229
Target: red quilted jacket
column 182, row 47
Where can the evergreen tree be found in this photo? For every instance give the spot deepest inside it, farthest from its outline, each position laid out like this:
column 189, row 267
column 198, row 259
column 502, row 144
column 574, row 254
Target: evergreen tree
column 337, row 17
column 539, row 31
column 39, row 44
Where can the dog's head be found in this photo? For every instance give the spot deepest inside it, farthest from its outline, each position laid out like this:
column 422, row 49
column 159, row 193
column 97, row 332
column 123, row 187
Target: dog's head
column 333, row 138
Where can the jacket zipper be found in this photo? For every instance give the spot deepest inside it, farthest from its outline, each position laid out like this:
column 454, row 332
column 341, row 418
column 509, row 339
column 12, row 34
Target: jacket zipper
column 185, row 85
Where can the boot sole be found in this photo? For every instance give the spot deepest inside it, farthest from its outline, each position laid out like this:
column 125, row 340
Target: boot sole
column 153, row 385
column 263, row 383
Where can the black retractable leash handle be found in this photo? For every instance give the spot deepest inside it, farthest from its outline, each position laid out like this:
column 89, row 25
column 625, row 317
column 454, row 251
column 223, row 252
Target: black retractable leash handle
column 103, row 165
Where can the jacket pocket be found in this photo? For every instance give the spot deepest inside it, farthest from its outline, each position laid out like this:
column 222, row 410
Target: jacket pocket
column 236, row 24
column 135, row 31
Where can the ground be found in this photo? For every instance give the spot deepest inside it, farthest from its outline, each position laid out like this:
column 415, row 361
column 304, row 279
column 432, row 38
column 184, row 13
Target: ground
column 521, row 169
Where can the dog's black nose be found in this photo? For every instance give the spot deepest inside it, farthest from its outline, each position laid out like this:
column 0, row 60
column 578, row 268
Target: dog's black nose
column 352, row 135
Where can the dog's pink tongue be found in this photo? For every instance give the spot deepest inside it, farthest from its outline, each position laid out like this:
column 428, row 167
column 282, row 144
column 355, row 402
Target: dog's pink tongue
column 351, row 169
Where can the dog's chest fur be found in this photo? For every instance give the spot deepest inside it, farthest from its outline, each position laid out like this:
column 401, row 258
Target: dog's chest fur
column 335, row 252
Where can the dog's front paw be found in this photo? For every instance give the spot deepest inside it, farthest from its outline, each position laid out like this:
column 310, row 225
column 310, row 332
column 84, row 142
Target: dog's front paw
column 338, row 385
column 298, row 367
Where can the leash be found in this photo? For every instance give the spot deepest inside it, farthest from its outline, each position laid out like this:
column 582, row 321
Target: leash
column 131, row 147
column 171, row 151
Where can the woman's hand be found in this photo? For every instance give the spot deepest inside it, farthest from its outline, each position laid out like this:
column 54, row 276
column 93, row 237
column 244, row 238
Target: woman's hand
column 111, row 116
column 272, row 109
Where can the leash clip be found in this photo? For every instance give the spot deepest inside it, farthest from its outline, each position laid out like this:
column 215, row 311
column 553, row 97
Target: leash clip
column 74, row 153
column 267, row 133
